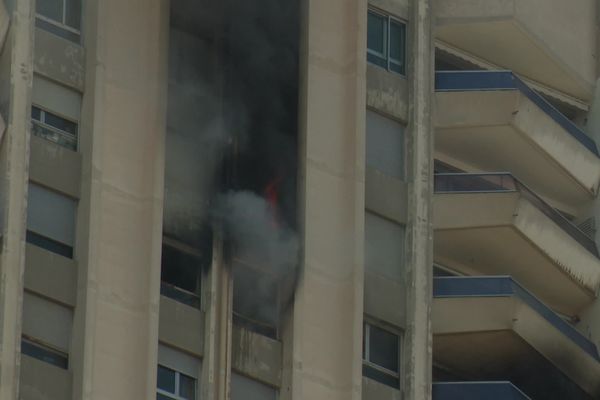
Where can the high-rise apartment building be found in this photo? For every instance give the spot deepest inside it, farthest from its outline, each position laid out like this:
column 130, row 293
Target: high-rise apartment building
column 299, row 199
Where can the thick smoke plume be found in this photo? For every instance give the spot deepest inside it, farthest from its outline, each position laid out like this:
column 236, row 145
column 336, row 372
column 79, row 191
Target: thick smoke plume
column 258, row 237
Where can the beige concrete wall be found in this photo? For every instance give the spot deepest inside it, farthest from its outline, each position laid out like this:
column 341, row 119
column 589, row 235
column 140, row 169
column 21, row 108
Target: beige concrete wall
column 120, row 214
column 256, row 356
column 327, row 320
column 385, row 195
column 43, row 381
column 373, row 390
column 181, row 326
column 55, row 167
column 50, row 275
column 387, row 92
column 59, row 59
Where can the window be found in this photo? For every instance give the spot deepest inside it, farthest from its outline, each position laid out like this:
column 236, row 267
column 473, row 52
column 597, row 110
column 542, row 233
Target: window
column 176, row 375
column 181, row 272
column 60, row 17
column 51, row 127
column 255, row 301
column 32, row 348
column 381, row 355
column 46, row 330
column 51, row 220
column 172, row 384
column 384, row 247
column 386, row 42
column 385, row 145
column 243, row 388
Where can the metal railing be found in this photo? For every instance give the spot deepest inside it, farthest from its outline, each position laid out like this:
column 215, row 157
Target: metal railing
column 505, row 182
column 462, row 81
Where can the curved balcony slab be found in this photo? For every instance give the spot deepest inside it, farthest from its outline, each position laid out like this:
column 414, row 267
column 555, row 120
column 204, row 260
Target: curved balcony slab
column 492, row 121
column 525, row 36
column 492, row 327
column 491, row 224
column 477, row 391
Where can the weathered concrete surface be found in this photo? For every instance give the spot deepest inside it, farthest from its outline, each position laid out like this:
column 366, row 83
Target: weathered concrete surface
column 114, row 349
column 419, row 229
column 256, row 356
column 43, row 381
column 59, row 59
column 328, row 308
column 16, row 80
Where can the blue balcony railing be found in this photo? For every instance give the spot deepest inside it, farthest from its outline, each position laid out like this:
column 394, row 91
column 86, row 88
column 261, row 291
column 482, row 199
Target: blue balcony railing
column 505, row 286
column 463, row 81
column 505, row 182
column 477, row 391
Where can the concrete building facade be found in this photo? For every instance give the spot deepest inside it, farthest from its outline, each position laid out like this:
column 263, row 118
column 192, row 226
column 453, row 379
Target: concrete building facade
column 300, row 199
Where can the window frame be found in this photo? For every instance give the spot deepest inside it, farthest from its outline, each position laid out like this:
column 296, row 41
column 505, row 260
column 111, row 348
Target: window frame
column 192, row 252
column 176, row 395
column 42, row 122
column 48, row 348
column 367, row 323
column 389, row 19
column 62, row 24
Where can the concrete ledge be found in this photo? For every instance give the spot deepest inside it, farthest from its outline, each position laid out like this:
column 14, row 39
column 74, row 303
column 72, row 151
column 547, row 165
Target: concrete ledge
column 385, row 299
column 373, row 390
column 385, row 196
column 59, row 59
column 181, row 326
column 43, row 381
column 387, row 92
column 256, row 356
column 55, row 167
column 50, row 275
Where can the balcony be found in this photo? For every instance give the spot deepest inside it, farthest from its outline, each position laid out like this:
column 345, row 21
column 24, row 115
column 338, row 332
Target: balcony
column 477, row 391
column 491, row 328
column 492, row 224
column 526, row 37
column 492, row 121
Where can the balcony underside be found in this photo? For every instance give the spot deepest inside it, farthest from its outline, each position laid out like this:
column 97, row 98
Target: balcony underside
column 477, row 391
column 493, row 329
column 504, row 234
column 524, row 36
column 503, row 130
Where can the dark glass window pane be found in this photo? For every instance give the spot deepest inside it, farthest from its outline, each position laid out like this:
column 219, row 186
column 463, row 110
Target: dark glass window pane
column 162, row 397
column 60, row 123
column 377, row 33
column 180, row 269
column 36, row 113
column 397, row 41
column 397, row 47
column 383, row 348
column 187, row 387
column 381, row 377
column 37, row 351
column 52, row 9
column 73, row 13
column 372, row 58
column 165, row 379
column 255, row 300
column 49, row 244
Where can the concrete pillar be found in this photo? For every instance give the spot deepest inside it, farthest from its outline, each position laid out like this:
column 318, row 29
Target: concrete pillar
column 216, row 373
column 328, row 307
column 16, row 76
column 419, row 228
column 120, row 213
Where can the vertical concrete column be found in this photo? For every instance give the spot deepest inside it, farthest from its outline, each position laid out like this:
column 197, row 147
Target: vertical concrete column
column 328, row 308
column 420, row 195
column 217, row 332
column 120, row 213
column 16, row 76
